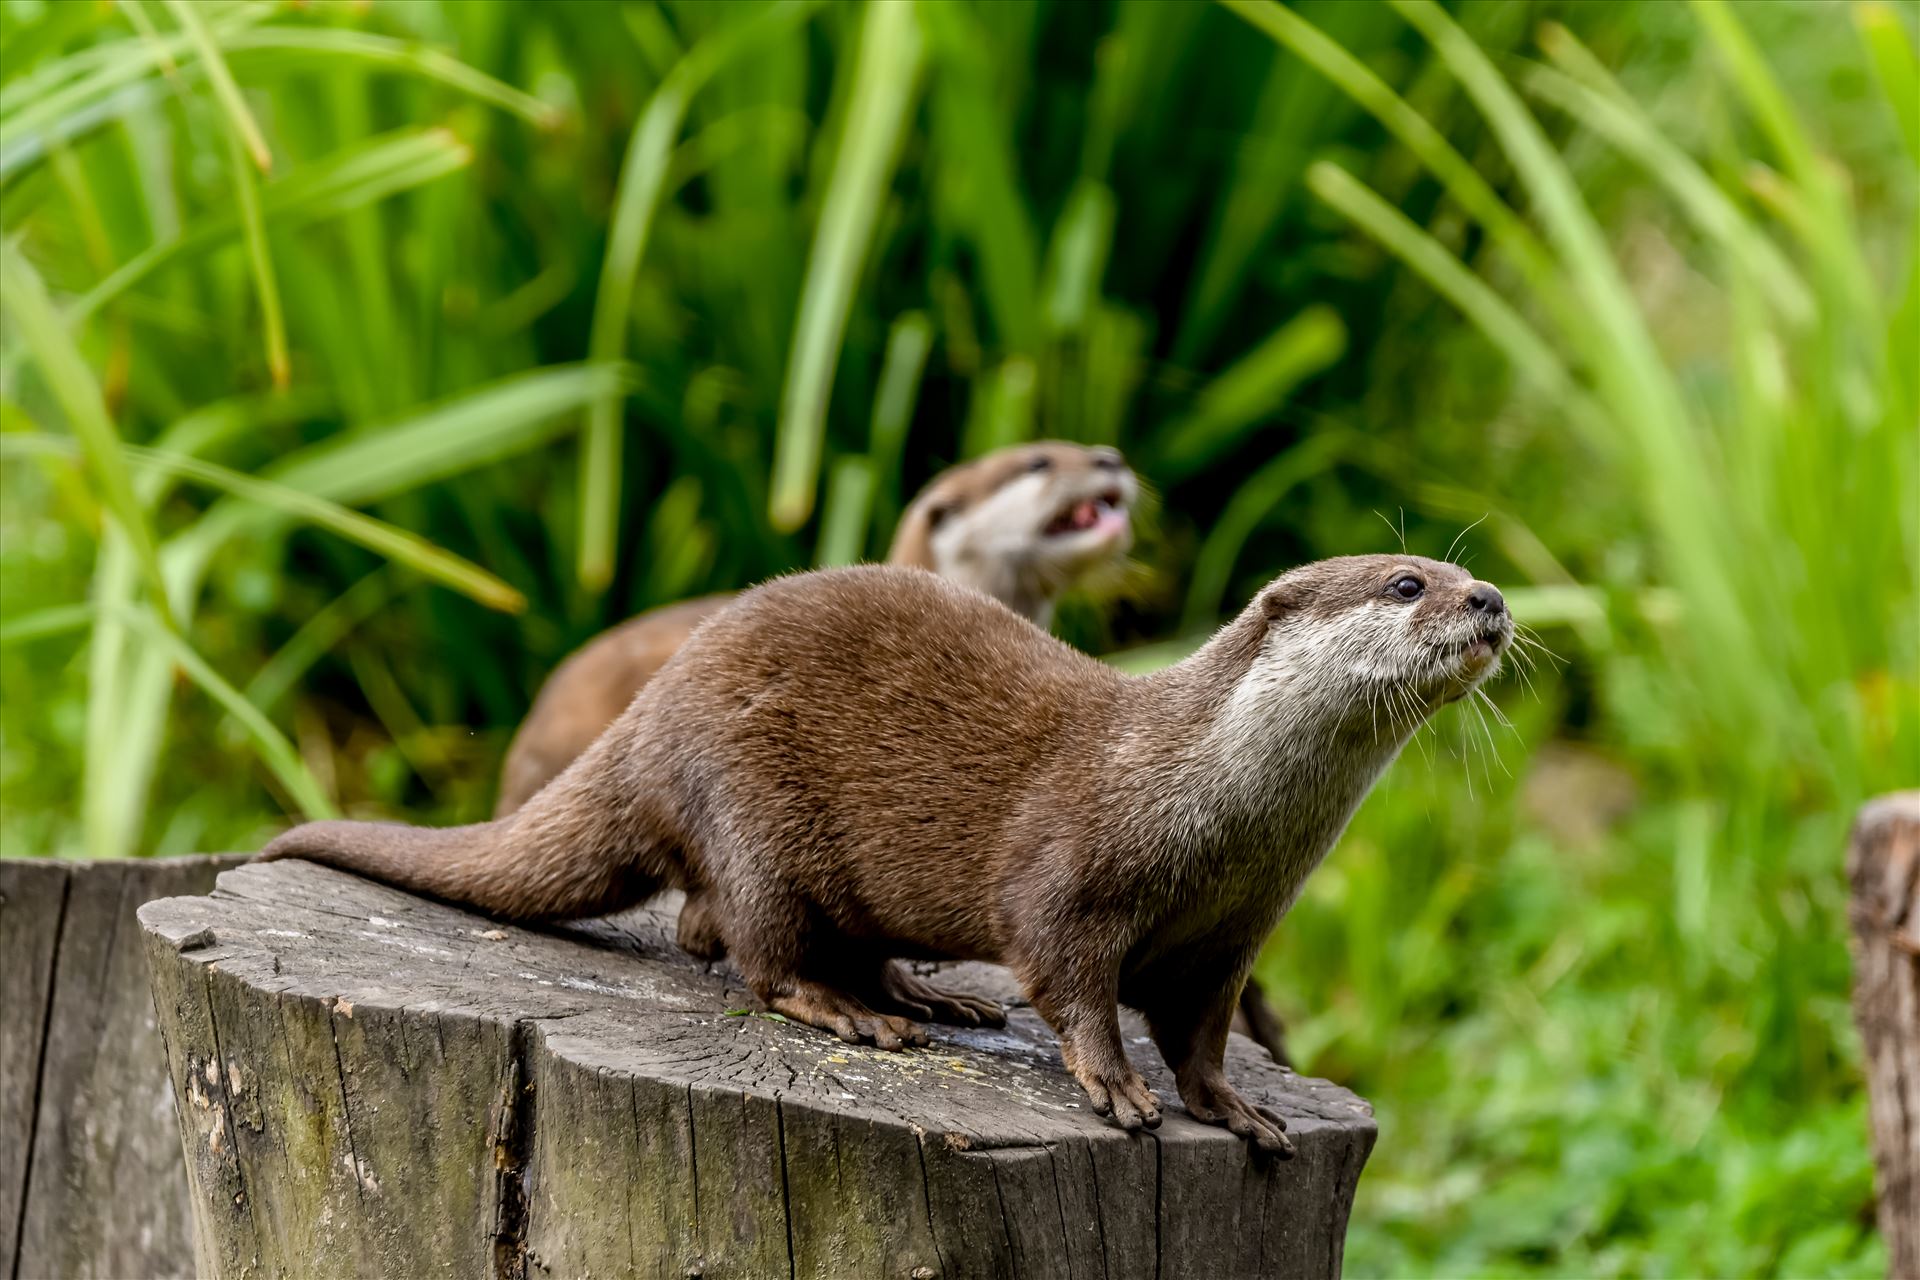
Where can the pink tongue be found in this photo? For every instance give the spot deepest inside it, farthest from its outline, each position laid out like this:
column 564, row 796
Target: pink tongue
column 1085, row 516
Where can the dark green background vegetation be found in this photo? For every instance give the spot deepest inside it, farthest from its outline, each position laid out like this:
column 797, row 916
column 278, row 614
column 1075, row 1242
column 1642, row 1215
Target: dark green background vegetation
column 362, row 359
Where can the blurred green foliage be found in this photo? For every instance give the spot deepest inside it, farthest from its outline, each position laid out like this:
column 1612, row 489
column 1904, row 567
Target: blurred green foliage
column 362, row 359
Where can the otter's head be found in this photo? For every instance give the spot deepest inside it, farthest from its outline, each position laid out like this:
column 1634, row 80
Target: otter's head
column 1022, row 523
column 1386, row 639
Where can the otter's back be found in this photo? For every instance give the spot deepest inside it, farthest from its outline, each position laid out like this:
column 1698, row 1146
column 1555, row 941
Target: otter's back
column 872, row 724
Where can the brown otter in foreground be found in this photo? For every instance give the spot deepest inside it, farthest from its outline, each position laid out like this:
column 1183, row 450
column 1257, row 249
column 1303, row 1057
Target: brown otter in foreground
column 863, row 765
column 1021, row 524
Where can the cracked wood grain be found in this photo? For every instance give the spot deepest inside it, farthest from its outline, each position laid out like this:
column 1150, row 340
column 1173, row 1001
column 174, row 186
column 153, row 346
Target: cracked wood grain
column 90, row 1177
column 396, row 1087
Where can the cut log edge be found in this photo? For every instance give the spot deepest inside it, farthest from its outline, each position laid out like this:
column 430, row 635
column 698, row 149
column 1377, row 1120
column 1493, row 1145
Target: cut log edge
column 622, row 1026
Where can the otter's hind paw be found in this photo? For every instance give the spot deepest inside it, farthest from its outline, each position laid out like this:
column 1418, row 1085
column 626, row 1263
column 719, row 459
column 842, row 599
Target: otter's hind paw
column 923, row 999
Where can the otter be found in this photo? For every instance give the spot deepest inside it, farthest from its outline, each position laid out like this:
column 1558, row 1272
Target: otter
column 1021, row 524
column 862, row 766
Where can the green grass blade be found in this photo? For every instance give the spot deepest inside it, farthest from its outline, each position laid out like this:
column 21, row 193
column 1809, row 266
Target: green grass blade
column 643, row 177
column 334, row 45
column 1001, row 410
column 328, row 626
column 845, row 514
column 1250, row 392
column 357, row 176
column 224, row 88
column 56, row 620
column 885, row 74
column 982, row 185
column 1457, row 174
column 1529, row 353
column 1761, row 92
column 1639, row 392
column 272, row 745
column 36, row 103
column 1615, row 117
column 136, row 16
column 1891, row 51
column 397, row 545
column 73, row 385
column 114, row 770
column 909, row 341
column 493, row 422
column 1253, row 500
column 1077, row 258
column 1834, row 240
column 370, row 465
column 273, row 321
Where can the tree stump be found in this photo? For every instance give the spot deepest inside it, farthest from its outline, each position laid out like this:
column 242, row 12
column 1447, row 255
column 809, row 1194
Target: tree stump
column 90, row 1176
column 373, row 1084
column 1883, row 864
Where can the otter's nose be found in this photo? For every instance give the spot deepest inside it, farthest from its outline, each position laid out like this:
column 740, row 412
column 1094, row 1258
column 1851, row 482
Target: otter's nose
column 1484, row 598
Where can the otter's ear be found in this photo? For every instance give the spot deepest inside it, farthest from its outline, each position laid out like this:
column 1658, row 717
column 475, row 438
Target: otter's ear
column 1281, row 599
column 936, row 514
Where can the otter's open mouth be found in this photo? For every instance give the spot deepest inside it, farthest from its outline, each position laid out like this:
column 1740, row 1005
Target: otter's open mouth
column 1104, row 513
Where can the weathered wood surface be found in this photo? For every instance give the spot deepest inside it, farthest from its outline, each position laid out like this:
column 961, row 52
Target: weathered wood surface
column 1883, row 864
column 90, row 1172
column 372, row 1084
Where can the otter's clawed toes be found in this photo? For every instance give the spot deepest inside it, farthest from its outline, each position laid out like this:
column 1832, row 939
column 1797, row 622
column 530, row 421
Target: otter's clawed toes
column 849, row 1019
column 1219, row 1103
column 1125, row 1097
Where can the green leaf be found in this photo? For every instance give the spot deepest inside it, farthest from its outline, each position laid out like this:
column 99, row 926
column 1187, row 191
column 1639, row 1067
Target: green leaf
column 273, row 748
column 843, row 519
column 378, row 536
column 1250, row 392
column 909, row 341
column 55, row 620
column 239, row 118
column 1254, row 499
column 1891, row 50
column 273, row 322
column 885, row 74
column 979, row 179
column 1455, row 172
column 492, row 422
column 332, row 46
column 354, row 177
column 1496, row 319
column 643, row 176
column 327, row 627
column 86, row 413
column 1612, row 114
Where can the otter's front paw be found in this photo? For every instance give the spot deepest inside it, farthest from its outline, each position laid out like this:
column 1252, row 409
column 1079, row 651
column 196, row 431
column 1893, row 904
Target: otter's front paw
column 1217, row 1102
column 1123, row 1095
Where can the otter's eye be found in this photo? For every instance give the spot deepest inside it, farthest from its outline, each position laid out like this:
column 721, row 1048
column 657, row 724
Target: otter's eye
column 1041, row 463
column 1406, row 588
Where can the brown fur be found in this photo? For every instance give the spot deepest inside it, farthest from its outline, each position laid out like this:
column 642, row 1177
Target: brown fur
column 863, row 765
column 1007, row 554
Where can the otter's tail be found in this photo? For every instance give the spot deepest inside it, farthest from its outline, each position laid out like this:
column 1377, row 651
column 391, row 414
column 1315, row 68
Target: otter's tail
column 583, row 846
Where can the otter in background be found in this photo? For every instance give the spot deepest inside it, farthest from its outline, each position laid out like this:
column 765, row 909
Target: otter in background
column 1021, row 524
column 1108, row 837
